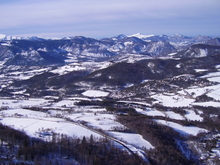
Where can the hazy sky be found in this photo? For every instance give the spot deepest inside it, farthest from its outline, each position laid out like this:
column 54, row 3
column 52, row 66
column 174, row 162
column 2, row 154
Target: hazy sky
column 106, row 18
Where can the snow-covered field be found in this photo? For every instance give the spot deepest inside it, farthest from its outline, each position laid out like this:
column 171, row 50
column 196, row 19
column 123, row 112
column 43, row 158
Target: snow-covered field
column 36, row 127
column 95, row 93
column 191, row 115
column 173, row 115
column 173, row 100
column 11, row 103
column 134, row 139
column 54, row 120
column 98, row 121
column 185, row 130
column 150, row 112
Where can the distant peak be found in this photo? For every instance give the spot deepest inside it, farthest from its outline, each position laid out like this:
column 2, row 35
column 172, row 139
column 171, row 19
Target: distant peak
column 2, row 36
column 141, row 36
column 120, row 36
column 178, row 35
column 163, row 35
column 8, row 38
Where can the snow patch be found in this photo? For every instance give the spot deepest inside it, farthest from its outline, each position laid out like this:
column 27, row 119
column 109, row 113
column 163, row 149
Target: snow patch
column 128, row 43
column 141, row 36
column 95, row 93
column 42, row 49
column 134, row 139
column 178, row 66
column 68, row 68
column 208, row 104
column 172, row 54
column 201, row 70
column 203, row 53
column 184, row 130
column 2, row 36
column 191, row 115
column 173, row 101
column 174, row 115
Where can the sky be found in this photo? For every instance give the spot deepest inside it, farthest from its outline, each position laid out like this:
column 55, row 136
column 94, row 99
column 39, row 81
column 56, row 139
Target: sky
column 108, row 18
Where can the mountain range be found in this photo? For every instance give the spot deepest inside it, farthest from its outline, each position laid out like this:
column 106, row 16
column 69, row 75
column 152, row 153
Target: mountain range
column 79, row 58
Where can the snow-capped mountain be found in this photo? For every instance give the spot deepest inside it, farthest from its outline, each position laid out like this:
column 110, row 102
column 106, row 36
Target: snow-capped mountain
column 177, row 40
column 82, row 48
column 142, row 36
column 4, row 37
column 28, row 52
column 79, row 48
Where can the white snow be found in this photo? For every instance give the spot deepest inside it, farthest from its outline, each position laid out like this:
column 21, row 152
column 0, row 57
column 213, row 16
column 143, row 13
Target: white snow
column 2, row 36
column 208, row 104
column 172, row 54
column 153, row 112
column 115, row 48
column 128, row 43
column 26, row 74
column 173, row 100
column 5, row 44
column 174, row 115
column 95, row 93
column 203, row 52
column 201, row 70
column 191, row 115
column 23, row 112
column 185, row 130
column 32, row 126
column 64, row 103
column 214, row 79
column 10, row 103
column 68, row 68
column 141, row 36
column 178, row 66
column 76, row 66
column 128, row 85
column 150, row 112
column 214, row 76
column 134, row 139
column 211, row 91
column 19, row 92
column 187, row 97
column 99, row 121
column 215, row 93
column 42, row 49
column 217, row 66
column 36, row 123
